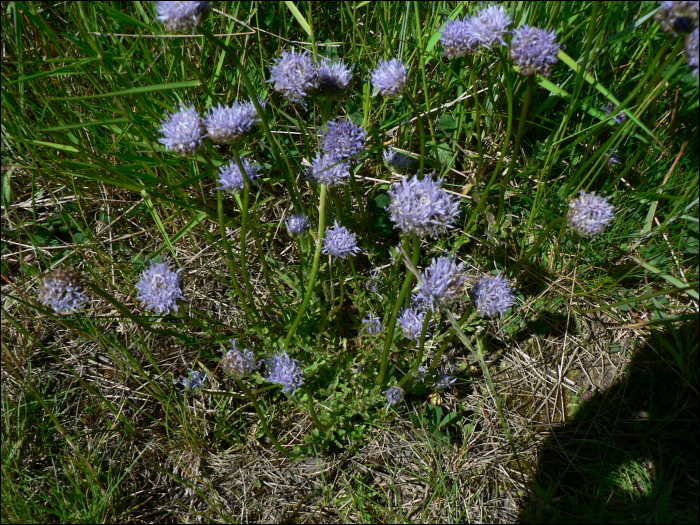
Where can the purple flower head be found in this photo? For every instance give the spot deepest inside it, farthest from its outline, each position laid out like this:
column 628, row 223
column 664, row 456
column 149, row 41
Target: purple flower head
column 373, row 324
column 677, row 18
column 411, row 322
column 619, row 118
column 613, row 158
column 394, row 394
column 534, row 50
column 492, row 296
column 421, row 374
column 340, row 242
column 230, row 176
column 422, row 207
column 237, row 362
column 490, row 25
column 228, row 124
column 330, row 170
column 372, row 284
column 297, row 224
column 285, row 371
column 691, row 51
column 183, row 130
column 181, row 17
column 589, row 214
column 294, row 75
column 395, row 161
column 159, row 288
column 253, row 112
column 62, row 290
column 390, row 78
column 444, row 381
column 333, row 80
column 442, row 283
column 342, row 139
column 457, row 38
column 195, row 381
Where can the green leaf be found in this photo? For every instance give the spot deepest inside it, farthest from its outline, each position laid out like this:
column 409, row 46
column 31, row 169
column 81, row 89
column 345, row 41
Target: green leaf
column 300, row 18
column 378, row 204
column 133, row 91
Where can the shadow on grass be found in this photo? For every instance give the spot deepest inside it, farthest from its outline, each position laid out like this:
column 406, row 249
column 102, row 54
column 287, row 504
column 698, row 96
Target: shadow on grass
column 630, row 454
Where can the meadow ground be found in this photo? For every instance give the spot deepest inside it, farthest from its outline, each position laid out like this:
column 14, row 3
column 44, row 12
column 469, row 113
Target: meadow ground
column 578, row 402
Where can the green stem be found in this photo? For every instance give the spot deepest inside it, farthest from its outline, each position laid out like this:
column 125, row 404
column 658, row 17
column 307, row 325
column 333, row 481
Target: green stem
column 314, row 268
column 421, row 347
column 424, row 75
column 354, row 276
column 477, row 117
column 537, row 244
column 408, row 281
column 246, row 220
column 448, row 340
column 516, row 149
column 421, row 126
column 301, row 265
column 263, row 422
column 312, row 410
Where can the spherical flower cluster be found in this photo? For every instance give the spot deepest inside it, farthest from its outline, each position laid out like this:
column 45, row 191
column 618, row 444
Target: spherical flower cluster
column 691, row 51
column 589, row 214
column 422, row 207
column 159, row 288
column 390, row 78
column 342, row 139
column 237, row 362
column 183, row 130
column 457, row 38
column 619, row 118
column 411, row 322
column 297, row 224
column 333, row 80
column 677, row 18
column 490, row 26
column 340, row 242
column 62, row 290
column 444, row 381
column 230, row 176
column 285, row 371
column 534, row 50
column 613, row 158
column 182, row 17
column 492, row 296
column 294, row 75
column 394, row 394
column 395, row 161
column 195, row 381
column 228, row 124
column 442, row 283
column 373, row 324
column 329, row 170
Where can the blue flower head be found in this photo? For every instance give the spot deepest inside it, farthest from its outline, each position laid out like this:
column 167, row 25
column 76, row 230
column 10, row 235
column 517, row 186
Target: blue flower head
column 394, row 394
column 229, row 124
column 330, row 170
column 183, row 130
column 285, row 371
column 444, row 381
column 590, row 214
column 442, row 283
column 395, row 161
column 195, row 381
column 422, row 206
column 182, row 17
column 297, row 224
column 534, row 51
column 340, row 242
column 492, row 296
column 230, row 177
column 342, row 139
column 411, row 322
column 390, row 78
column 677, row 18
column 159, row 288
column 62, row 290
column 617, row 119
column 333, row 80
column 238, row 362
column 458, row 38
column 294, row 75
column 490, row 26
column 373, row 324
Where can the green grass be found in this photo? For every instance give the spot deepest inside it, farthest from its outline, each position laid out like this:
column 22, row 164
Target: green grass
column 94, row 428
